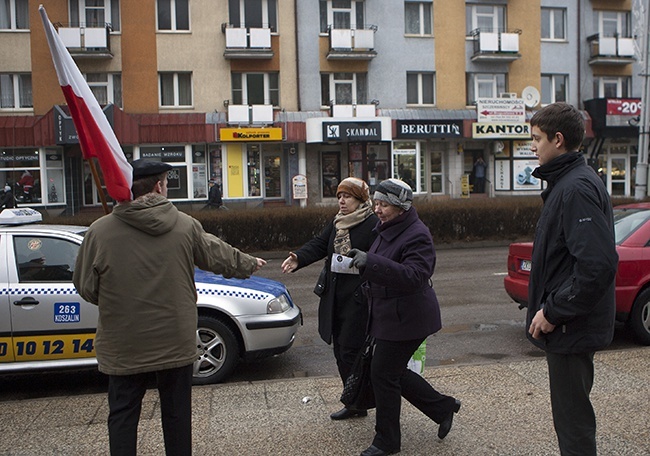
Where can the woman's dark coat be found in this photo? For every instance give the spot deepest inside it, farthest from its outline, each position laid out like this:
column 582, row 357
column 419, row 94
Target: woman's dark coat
column 403, row 305
column 343, row 310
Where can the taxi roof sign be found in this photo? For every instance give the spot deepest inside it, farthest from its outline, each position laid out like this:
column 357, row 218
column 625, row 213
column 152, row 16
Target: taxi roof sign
column 20, row 216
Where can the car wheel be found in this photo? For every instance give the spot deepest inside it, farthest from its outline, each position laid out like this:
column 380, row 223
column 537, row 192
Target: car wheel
column 640, row 318
column 218, row 351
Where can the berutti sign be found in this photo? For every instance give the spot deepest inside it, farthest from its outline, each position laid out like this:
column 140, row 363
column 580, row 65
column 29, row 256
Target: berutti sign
column 422, row 129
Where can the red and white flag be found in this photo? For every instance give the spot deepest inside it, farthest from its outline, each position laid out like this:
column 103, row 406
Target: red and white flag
column 96, row 137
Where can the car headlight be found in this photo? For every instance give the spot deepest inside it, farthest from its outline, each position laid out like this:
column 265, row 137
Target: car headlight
column 278, row 305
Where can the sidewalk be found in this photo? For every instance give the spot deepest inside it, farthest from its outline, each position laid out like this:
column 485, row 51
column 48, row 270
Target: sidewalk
column 505, row 411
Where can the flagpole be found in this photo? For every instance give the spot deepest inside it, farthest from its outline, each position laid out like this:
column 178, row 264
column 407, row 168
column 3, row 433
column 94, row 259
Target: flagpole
column 98, row 184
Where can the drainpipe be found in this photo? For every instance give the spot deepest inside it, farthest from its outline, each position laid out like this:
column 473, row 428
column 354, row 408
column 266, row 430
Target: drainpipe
column 641, row 182
column 579, row 31
column 295, row 27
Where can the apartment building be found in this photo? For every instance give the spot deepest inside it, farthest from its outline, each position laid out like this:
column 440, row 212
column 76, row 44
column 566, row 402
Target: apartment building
column 278, row 100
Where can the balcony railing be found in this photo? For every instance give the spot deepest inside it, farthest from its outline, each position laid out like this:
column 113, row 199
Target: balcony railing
column 357, row 44
column 495, row 46
column 610, row 50
column 250, row 114
column 247, row 43
column 354, row 110
column 87, row 41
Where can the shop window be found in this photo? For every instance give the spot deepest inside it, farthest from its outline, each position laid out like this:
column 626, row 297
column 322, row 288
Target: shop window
column 177, row 181
column 216, row 165
column 408, row 165
column 54, row 169
column 21, row 171
column 378, row 165
column 253, row 164
column 199, row 172
column 436, row 172
column 272, row 175
column 331, row 166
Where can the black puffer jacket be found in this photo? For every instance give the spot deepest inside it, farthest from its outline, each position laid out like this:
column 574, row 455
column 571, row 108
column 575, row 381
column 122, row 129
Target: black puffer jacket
column 574, row 259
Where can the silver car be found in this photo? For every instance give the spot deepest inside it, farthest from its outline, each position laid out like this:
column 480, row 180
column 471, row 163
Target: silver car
column 45, row 324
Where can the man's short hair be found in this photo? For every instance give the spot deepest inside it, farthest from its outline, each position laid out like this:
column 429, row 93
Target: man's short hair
column 562, row 118
column 143, row 185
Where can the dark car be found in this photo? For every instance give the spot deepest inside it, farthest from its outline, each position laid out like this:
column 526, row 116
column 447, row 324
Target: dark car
column 632, row 232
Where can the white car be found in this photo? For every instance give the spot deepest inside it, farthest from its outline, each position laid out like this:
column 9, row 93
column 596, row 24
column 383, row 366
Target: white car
column 45, row 324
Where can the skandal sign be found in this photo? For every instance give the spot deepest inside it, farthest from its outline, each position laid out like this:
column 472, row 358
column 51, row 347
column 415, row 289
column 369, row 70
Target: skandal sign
column 351, row 131
column 250, row 134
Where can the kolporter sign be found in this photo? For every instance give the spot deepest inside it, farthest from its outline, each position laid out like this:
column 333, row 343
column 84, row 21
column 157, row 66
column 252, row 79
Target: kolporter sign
column 250, row 134
column 351, row 131
column 423, row 129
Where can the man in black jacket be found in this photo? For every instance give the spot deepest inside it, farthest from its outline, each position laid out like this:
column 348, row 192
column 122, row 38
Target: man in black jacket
column 571, row 307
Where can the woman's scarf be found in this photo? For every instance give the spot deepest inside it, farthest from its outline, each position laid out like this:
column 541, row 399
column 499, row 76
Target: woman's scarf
column 343, row 224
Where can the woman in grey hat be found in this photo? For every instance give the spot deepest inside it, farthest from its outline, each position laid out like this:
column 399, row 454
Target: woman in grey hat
column 404, row 310
column 343, row 310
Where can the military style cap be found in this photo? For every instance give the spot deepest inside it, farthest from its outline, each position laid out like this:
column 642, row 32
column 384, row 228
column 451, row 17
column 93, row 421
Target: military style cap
column 144, row 168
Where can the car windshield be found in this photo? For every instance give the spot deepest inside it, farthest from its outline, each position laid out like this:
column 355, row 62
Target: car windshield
column 627, row 221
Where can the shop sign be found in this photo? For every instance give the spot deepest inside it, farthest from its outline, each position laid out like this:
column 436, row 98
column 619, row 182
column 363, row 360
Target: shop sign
column 250, row 134
column 423, row 129
column 494, row 130
column 502, row 175
column 299, row 186
column 351, row 131
column 64, row 128
column 522, row 149
column 509, row 110
column 621, row 110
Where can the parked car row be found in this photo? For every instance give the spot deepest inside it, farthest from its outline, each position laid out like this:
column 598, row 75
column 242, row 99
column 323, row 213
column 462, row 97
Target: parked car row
column 45, row 324
column 632, row 234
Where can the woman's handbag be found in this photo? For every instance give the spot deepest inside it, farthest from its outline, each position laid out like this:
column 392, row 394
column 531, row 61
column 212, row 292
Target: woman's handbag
column 321, row 284
column 357, row 393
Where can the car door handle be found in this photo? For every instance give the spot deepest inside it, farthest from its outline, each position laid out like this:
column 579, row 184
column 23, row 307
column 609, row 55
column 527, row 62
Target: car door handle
column 27, row 301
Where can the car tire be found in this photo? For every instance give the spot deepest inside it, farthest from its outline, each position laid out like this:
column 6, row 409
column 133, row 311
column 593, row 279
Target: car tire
column 640, row 318
column 218, row 351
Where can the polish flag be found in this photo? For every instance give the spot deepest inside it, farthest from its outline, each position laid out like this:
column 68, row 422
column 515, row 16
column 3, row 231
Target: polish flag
column 96, row 136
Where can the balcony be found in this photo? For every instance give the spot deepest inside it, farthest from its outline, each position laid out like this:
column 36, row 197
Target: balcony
column 250, row 114
column 87, row 42
column 611, row 50
column 495, row 46
column 354, row 110
column 247, row 43
column 353, row 44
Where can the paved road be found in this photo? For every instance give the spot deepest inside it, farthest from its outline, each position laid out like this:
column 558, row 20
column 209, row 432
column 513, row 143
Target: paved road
column 481, row 324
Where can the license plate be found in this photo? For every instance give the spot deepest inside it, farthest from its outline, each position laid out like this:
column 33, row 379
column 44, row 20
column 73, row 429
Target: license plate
column 525, row 265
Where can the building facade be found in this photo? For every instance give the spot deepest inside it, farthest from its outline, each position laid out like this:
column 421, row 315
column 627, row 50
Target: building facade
column 276, row 101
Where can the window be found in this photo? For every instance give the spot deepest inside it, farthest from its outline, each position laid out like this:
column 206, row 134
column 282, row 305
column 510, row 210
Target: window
column 484, row 85
column 612, row 23
column 175, row 89
column 14, row 15
column 420, row 88
column 487, row 18
column 45, row 259
column 341, row 14
column 16, row 91
column 173, row 15
column 254, row 14
column 408, row 164
column 95, row 13
column 553, row 23
column 554, row 88
column 418, row 18
column 343, row 88
column 255, row 88
column 106, row 87
column 437, row 181
column 612, row 86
